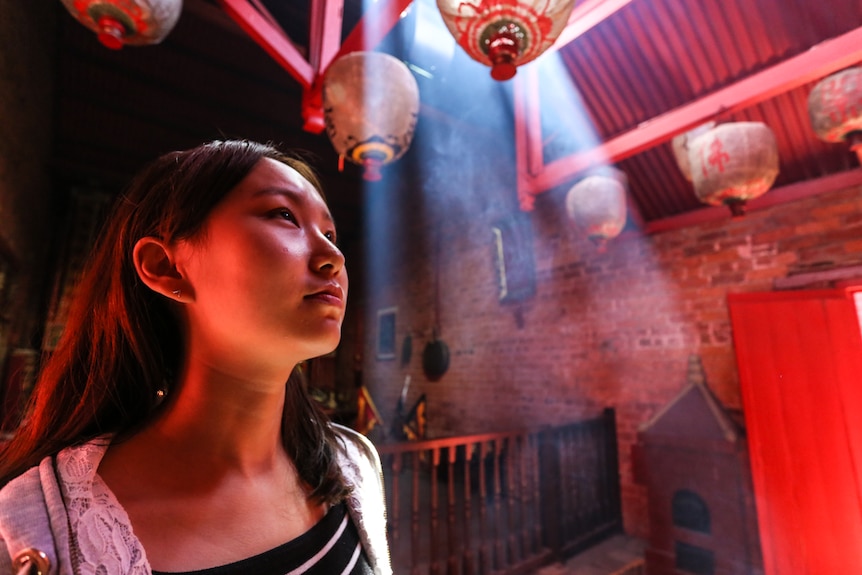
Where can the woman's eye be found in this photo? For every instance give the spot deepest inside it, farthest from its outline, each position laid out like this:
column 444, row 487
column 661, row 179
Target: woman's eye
column 285, row 214
column 331, row 237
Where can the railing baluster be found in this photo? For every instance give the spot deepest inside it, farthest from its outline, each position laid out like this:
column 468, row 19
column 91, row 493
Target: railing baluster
column 484, row 550
column 568, row 497
column 452, row 563
column 526, row 496
column 583, row 499
column 414, row 520
column 512, row 492
column 435, row 505
column 469, row 450
column 537, row 514
column 499, row 550
column 539, row 495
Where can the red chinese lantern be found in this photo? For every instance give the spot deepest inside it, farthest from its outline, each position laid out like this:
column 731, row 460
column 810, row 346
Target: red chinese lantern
column 835, row 108
column 597, row 206
column 733, row 163
column 370, row 107
column 127, row 22
column 504, row 34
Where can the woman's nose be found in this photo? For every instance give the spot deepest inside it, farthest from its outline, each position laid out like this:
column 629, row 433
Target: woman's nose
column 327, row 256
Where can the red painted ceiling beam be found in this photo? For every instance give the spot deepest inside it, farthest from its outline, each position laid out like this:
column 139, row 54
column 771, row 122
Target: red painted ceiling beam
column 374, row 25
column 585, row 15
column 791, row 192
column 271, row 39
column 821, row 60
column 325, row 33
column 377, row 21
column 324, row 42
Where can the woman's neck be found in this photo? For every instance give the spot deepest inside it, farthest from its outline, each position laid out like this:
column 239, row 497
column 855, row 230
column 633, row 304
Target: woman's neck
column 224, row 420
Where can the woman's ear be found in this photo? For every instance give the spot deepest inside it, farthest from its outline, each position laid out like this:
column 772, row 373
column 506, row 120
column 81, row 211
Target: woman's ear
column 155, row 266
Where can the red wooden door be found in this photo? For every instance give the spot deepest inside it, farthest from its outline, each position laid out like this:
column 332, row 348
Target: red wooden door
column 800, row 369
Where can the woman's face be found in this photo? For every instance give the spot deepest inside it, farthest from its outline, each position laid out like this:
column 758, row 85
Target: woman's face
column 268, row 282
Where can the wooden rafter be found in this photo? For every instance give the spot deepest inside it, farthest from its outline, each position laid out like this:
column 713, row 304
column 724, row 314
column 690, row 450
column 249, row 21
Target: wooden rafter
column 823, row 59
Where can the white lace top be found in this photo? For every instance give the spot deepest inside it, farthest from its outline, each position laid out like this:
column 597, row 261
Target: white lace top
column 101, row 533
column 66, row 511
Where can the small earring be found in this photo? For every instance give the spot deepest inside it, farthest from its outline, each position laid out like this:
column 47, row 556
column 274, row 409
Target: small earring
column 177, row 293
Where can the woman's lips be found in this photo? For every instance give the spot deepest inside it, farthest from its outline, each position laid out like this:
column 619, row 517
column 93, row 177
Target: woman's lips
column 331, row 295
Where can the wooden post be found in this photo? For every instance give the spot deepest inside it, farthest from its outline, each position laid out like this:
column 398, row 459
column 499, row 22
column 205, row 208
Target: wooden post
column 612, row 475
column 549, row 479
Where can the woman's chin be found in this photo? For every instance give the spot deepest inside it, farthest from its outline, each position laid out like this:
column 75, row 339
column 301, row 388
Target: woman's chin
column 324, row 345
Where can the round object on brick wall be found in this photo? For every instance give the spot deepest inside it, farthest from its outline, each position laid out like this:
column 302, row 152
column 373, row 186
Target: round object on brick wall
column 733, row 163
column 435, row 359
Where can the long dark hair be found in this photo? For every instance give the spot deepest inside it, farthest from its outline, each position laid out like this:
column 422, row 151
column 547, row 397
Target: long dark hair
column 122, row 343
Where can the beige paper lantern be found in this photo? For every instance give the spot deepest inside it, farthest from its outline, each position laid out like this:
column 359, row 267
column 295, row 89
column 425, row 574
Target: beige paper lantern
column 681, row 143
column 835, row 108
column 370, row 106
column 597, row 206
column 121, row 23
column 733, row 163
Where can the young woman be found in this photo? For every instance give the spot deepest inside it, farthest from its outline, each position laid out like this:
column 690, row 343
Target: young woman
column 162, row 436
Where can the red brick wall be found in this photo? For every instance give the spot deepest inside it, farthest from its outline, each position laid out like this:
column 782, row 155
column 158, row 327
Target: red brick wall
column 612, row 329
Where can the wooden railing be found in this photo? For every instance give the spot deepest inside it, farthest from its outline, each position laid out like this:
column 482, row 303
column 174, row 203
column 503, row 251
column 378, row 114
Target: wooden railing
column 502, row 503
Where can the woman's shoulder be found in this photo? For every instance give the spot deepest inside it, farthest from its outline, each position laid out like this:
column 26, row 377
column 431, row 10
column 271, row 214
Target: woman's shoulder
column 28, row 482
column 357, row 445
column 77, row 462
column 25, row 512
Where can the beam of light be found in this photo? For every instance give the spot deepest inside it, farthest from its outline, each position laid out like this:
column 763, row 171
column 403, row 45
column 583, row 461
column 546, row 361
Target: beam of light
column 430, row 247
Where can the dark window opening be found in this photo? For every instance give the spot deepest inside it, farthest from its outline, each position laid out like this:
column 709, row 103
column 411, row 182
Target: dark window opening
column 690, row 511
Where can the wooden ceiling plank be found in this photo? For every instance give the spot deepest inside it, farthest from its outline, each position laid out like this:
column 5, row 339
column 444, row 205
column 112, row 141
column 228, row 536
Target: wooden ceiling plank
column 618, row 85
column 727, row 43
column 740, row 34
column 823, row 59
column 649, row 72
column 598, row 79
column 274, row 42
column 675, row 29
column 696, row 33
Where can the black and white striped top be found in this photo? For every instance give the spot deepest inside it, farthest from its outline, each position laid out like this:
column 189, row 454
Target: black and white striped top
column 331, row 547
